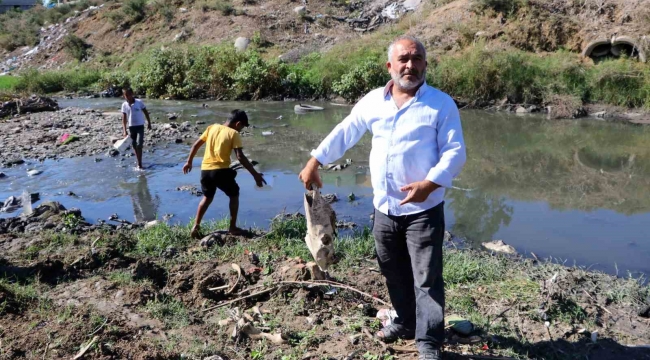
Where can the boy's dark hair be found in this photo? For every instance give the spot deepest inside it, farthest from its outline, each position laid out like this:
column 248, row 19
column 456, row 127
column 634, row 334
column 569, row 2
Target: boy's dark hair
column 238, row 115
column 127, row 89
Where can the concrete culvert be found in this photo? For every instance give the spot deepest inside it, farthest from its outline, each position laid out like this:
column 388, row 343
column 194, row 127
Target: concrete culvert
column 597, row 48
column 601, row 49
column 625, row 45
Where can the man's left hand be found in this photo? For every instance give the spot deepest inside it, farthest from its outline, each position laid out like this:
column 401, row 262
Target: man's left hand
column 418, row 191
column 149, row 126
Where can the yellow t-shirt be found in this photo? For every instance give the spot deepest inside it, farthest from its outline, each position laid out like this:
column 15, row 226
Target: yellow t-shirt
column 219, row 142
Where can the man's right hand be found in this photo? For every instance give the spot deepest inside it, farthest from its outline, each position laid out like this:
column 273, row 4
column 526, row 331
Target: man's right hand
column 309, row 175
column 259, row 180
column 126, row 134
column 187, row 167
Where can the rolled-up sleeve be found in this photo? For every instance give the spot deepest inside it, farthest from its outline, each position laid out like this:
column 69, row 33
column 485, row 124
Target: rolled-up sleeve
column 344, row 136
column 451, row 146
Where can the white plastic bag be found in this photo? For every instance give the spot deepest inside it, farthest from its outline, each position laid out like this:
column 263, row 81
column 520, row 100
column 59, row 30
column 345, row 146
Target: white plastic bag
column 321, row 227
column 266, row 187
column 27, row 203
column 122, row 145
column 386, row 316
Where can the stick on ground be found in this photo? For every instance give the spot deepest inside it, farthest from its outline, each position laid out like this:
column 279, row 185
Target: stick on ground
column 240, row 299
column 83, row 350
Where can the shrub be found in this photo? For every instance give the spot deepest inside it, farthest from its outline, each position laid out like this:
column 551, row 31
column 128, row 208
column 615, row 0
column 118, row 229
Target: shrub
column 75, row 47
column 501, row 6
column 134, row 10
column 18, row 29
column 220, row 72
column 621, row 82
column 165, row 8
column 256, row 79
column 161, row 74
column 114, row 80
column 223, row 6
column 480, row 76
column 361, row 79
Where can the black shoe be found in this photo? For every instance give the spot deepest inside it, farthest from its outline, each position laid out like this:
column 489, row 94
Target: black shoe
column 393, row 332
column 427, row 353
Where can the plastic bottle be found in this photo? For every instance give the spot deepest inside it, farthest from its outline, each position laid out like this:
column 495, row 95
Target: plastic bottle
column 27, row 203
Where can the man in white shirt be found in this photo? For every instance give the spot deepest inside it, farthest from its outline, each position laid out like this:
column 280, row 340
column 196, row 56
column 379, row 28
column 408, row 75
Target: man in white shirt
column 133, row 115
column 417, row 149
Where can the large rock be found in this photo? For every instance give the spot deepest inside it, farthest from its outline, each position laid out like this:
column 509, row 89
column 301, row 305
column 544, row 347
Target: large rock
column 241, row 44
column 500, row 246
column 47, row 210
column 522, row 110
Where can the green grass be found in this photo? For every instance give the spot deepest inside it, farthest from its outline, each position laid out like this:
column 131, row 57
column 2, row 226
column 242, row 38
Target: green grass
column 73, row 79
column 21, row 295
column 156, row 239
column 121, row 277
column 51, row 243
column 170, row 311
column 8, row 82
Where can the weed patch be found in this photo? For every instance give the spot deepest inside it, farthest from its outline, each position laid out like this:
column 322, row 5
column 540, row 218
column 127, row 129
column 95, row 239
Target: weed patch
column 170, row 311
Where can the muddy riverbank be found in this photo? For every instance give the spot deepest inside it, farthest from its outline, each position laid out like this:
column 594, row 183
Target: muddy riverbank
column 76, row 132
column 145, row 293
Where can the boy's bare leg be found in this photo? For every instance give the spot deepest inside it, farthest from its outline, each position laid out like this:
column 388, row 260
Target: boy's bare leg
column 234, row 209
column 138, row 156
column 203, row 206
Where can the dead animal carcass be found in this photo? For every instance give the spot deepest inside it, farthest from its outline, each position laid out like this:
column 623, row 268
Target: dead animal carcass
column 321, row 224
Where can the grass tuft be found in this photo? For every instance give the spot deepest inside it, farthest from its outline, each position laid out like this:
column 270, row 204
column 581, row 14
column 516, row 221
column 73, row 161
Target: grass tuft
column 170, row 311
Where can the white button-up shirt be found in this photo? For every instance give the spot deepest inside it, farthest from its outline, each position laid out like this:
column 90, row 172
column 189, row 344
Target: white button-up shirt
column 422, row 140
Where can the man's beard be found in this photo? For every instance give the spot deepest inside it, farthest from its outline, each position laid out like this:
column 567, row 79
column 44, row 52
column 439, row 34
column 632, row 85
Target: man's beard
column 405, row 84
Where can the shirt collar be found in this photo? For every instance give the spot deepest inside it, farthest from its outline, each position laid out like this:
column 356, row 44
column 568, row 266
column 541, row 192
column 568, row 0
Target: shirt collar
column 420, row 92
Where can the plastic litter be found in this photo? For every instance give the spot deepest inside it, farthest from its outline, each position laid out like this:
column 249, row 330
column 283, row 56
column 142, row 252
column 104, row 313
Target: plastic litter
column 122, row 145
column 321, row 225
column 459, row 325
column 386, row 316
column 27, row 203
column 266, row 187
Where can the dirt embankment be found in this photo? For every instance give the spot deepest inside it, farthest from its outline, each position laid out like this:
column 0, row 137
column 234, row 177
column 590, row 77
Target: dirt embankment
column 291, row 30
column 249, row 298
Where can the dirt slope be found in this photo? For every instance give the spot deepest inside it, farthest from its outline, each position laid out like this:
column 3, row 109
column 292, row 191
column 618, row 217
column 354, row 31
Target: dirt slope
column 540, row 26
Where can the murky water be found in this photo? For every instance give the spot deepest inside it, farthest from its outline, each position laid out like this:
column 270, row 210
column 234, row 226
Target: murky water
column 573, row 190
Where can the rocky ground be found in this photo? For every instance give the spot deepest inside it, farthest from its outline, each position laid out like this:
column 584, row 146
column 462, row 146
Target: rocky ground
column 41, row 136
column 150, row 292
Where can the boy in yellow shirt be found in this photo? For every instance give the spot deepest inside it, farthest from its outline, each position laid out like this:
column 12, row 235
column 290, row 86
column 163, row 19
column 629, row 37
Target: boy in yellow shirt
column 215, row 169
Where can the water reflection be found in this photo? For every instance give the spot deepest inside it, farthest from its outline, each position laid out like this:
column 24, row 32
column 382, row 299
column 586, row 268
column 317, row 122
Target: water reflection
column 478, row 216
column 572, row 189
column 145, row 206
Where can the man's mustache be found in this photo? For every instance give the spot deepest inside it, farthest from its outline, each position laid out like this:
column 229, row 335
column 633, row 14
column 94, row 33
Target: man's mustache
column 410, row 72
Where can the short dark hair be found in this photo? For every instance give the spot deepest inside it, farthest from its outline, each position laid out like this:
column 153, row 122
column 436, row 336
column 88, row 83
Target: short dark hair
column 127, row 89
column 238, row 115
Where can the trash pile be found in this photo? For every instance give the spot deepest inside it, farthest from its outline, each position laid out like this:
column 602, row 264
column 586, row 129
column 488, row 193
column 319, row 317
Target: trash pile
column 381, row 12
column 50, row 43
column 33, row 104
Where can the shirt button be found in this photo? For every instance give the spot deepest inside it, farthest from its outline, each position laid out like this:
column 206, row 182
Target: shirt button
column 389, row 175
